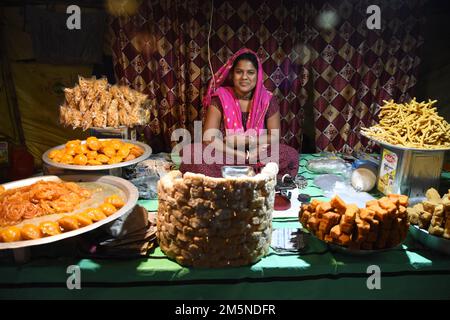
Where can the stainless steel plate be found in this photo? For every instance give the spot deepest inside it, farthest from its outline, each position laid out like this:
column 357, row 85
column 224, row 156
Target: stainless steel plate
column 126, row 189
column 147, row 152
column 431, row 241
column 237, row 171
column 341, row 249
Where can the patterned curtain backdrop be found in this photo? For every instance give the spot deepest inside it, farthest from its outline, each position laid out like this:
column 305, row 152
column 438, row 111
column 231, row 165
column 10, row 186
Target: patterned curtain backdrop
column 354, row 69
column 162, row 50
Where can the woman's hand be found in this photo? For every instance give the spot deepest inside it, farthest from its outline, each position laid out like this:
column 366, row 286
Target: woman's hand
column 235, row 140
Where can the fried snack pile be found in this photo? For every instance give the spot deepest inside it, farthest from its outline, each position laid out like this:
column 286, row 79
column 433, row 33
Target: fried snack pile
column 38, row 199
column 382, row 224
column 433, row 214
column 67, row 223
column 414, row 125
column 95, row 152
column 95, row 103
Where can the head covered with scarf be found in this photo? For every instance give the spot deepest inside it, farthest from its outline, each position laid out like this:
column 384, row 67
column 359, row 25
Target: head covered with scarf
column 232, row 115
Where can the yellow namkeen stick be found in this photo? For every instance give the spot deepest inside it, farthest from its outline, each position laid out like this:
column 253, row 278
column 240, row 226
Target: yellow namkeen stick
column 414, row 125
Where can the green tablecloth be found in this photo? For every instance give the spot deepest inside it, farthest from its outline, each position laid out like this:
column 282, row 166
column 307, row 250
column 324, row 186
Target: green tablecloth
column 409, row 272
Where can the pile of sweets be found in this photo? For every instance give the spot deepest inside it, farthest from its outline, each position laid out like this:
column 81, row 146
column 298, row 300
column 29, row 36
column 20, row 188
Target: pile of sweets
column 432, row 214
column 216, row 222
column 381, row 224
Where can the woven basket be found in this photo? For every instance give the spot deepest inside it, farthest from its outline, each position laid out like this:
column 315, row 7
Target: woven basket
column 216, row 222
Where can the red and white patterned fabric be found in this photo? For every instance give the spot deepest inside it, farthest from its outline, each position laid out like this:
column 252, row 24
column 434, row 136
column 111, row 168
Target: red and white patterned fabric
column 162, row 51
column 354, row 69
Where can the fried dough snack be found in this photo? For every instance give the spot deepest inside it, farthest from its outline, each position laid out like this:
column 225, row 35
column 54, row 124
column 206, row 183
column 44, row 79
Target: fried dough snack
column 381, row 224
column 414, row 124
column 432, row 214
column 95, row 103
column 38, row 199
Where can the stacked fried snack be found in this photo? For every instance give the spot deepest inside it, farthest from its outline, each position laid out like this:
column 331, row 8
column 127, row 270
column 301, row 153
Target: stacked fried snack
column 95, row 103
column 433, row 214
column 31, row 231
column 215, row 222
column 382, row 224
column 414, row 124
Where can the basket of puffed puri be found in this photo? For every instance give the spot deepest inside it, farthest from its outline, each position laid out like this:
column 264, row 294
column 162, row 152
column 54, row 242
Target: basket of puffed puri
column 210, row 222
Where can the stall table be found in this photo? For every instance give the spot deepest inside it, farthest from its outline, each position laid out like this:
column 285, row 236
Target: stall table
column 407, row 272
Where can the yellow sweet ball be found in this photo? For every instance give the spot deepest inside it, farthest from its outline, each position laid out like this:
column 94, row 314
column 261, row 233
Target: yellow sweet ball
column 70, row 151
column 105, row 143
column 102, row 158
column 94, row 162
column 54, row 153
column 130, row 157
column 80, row 159
column 115, row 200
column 66, row 158
column 93, row 143
column 107, row 208
column 114, row 160
column 10, row 234
column 73, row 143
column 123, row 152
column 81, row 149
column 116, row 144
column 49, row 228
column 92, row 154
column 95, row 214
column 109, row 151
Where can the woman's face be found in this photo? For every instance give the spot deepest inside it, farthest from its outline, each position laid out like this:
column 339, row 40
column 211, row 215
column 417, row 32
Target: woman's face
column 244, row 77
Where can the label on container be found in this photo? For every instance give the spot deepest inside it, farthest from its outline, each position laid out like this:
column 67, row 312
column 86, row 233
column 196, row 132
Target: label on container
column 388, row 171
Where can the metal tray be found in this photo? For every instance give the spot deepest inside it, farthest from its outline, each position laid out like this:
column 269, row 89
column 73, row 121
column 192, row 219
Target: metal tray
column 393, row 146
column 128, row 190
column 147, row 152
column 341, row 249
column 345, row 250
column 431, row 241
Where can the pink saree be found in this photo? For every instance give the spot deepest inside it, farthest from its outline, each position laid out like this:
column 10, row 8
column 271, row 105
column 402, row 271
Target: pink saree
column 232, row 122
column 232, row 115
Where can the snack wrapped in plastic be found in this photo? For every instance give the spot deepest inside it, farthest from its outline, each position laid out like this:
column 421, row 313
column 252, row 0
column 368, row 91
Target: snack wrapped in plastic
column 146, row 174
column 336, row 166
column 95, row 103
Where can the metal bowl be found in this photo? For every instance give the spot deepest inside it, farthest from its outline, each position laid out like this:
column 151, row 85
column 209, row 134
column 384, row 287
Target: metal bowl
column 393, row 146
column 431, row 241
column 126, row 188
column 147, row 152
column 345, row 250
column 237, row 171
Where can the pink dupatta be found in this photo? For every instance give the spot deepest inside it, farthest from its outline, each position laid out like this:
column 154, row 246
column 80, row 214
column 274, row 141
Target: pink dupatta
column 231, row 110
